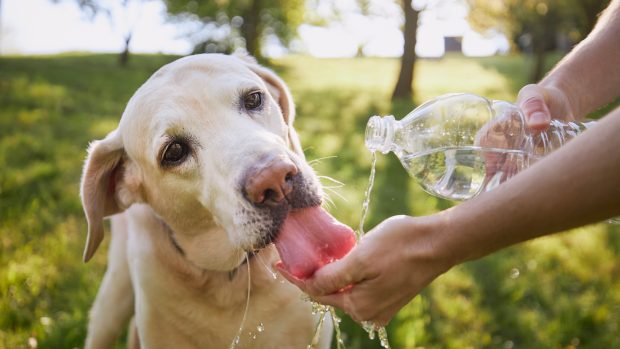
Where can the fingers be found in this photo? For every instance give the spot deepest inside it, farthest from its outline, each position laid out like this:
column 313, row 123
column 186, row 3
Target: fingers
column 331, row 278
column 531, row 100
column 335, row 276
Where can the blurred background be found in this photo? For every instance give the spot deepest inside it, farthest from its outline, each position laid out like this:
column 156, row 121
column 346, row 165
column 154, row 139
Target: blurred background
column 68, row 67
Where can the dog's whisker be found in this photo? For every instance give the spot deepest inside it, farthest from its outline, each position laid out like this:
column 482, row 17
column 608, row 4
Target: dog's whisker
column 332, row 186
column 328, row 201
column 333, row 180
column 318, row 160
column 335, row 192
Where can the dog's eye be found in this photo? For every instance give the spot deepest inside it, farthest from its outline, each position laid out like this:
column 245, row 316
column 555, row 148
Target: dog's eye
column 175, row 153
column 253, row 101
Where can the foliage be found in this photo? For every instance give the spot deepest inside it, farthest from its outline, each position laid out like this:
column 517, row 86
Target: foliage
column 555, row 292
column 537, row 25
column 254, row 19
column 573, row 18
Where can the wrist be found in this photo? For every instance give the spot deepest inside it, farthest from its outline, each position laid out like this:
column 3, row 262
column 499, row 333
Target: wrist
column 430, row 242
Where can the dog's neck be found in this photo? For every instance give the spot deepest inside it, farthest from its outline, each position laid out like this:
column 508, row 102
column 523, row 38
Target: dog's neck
column 232, row 273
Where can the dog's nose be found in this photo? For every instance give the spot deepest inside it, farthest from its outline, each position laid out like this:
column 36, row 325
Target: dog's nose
column 270, row 184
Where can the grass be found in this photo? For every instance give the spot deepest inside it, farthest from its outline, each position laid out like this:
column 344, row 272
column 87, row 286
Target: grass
column 554, row 292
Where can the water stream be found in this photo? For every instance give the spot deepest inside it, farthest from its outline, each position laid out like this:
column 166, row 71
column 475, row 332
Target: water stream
column 370, row 327
column 237, row 338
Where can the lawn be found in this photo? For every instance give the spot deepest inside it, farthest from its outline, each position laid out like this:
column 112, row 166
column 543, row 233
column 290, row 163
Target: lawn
column 554, row 292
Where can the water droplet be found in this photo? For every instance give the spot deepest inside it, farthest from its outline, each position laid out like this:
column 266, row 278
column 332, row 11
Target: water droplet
column 234, row 343
column 260, row 327
column 252, row 335
column 514, row 273
column 383, row 338
column 370, row 328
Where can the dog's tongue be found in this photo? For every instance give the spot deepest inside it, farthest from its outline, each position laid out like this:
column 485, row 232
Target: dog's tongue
column 311, row 238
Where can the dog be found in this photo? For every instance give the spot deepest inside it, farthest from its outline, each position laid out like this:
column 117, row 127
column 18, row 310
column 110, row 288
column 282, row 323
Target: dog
column 200, row 174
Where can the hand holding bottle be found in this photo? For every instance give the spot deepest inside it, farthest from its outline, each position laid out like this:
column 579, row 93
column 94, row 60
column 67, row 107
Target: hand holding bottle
column 541, row 103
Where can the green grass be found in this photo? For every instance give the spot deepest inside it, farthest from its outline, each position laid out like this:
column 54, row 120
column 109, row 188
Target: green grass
column 564, row 294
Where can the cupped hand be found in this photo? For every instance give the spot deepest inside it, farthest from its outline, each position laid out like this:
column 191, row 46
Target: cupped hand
column 382, row 273
column 541, row 103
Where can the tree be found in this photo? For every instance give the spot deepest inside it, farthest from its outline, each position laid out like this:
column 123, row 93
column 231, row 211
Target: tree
column 110, row 8
column 404, row 83
column 252, row 20
column 412, row 11
column 536, row 25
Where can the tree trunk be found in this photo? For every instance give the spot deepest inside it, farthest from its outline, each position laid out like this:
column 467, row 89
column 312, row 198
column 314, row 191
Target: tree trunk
column 123, row 59
column 404, row 85
column 538, row 70
column 250, row 29
column 544, row 40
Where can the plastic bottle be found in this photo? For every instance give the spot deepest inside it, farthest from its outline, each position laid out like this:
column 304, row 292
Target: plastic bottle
column 459, row 145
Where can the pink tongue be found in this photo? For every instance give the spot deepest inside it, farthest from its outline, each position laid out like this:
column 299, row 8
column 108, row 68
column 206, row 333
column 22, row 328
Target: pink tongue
column 311, row 238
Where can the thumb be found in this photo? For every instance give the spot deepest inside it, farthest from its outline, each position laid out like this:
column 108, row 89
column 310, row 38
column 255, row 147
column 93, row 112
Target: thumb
column 531, row 100
column 335, row 276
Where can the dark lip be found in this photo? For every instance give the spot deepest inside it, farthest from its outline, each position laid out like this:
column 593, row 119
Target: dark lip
column 304, row 196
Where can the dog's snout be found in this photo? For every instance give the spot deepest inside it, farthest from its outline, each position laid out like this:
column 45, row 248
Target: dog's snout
column 270, row 184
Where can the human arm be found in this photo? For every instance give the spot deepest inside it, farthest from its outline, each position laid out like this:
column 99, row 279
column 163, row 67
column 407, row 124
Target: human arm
column 586, row 79
column 575, row 185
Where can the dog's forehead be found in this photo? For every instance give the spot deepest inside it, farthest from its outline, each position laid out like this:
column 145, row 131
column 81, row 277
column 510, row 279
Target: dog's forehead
column 212, row 65
column 187, row 86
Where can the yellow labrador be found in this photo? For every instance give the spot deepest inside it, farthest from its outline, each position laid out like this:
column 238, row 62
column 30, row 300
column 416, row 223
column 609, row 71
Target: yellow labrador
column 204, row 167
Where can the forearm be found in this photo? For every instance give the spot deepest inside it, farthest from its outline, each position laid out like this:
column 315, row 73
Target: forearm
column 589, row 75
column 576, row 185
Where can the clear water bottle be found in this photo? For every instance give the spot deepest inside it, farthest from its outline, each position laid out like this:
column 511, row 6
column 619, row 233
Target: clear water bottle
column 460, row 145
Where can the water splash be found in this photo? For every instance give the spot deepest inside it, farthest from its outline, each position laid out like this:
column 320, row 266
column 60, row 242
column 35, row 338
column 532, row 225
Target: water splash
column 379, row 331
column 237, row 338
column 336, row 320
column 260, row 328
column 323, row 310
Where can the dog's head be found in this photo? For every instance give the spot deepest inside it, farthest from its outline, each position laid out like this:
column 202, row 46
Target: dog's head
column 208, row 143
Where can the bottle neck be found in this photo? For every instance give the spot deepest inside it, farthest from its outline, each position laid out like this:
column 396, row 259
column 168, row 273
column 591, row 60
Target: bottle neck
column 380, row 133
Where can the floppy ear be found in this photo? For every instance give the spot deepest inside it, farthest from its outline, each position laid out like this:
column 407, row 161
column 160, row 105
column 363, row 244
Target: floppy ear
column 280, row 92
column 100, row 181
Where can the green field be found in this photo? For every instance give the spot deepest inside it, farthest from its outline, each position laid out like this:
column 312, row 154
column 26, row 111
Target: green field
column 555, row 292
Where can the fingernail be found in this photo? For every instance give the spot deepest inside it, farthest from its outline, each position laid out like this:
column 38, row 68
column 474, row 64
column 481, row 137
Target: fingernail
column 538, row 117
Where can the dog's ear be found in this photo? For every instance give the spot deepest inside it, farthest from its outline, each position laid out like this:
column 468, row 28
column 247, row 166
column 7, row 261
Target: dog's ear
column 280, row 92
column 103, row 190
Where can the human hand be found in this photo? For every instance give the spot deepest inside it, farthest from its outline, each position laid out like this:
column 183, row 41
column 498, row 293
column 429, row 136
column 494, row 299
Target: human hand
column 541, row 103
column 382, row 273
